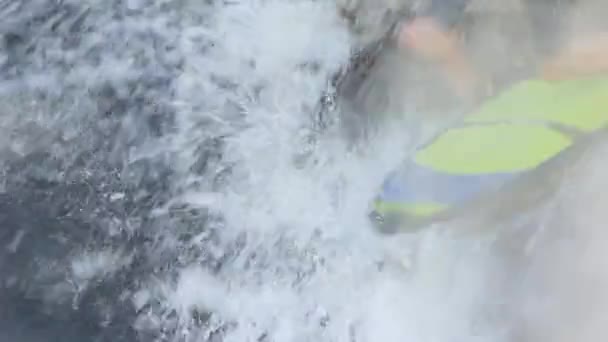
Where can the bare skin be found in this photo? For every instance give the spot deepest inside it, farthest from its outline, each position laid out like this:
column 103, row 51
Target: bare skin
column 429, row 41
column 583, row 56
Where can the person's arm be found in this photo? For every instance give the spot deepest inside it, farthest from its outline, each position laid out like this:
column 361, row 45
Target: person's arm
column 586, row 56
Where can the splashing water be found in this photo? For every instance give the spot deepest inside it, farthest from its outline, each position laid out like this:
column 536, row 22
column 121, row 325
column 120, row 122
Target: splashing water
column 177, row 143
column 307, row 265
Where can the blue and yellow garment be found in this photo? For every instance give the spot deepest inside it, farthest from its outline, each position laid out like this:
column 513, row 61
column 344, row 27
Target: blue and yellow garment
column 507, row 137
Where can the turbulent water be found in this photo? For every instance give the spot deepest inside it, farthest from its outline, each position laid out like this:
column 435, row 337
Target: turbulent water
column 165, row 177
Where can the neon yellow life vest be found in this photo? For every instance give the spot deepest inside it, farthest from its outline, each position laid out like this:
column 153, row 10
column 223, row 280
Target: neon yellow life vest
column 513, row 133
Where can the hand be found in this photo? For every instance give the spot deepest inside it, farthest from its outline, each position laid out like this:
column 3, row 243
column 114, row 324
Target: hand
column 428, row 39
column 563, row 65
column 585, row 56
column 558, row 69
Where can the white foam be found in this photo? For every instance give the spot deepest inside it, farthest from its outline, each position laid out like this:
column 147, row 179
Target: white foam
column 312, row 269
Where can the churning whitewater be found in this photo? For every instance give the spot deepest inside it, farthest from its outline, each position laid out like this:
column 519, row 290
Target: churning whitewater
column 166, row 177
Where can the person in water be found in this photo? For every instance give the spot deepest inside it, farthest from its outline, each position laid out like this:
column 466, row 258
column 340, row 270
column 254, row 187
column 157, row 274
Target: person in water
column 512, row 140
column 434, row 37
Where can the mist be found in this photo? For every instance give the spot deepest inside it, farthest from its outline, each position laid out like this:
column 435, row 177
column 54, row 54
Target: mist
column 544, row 275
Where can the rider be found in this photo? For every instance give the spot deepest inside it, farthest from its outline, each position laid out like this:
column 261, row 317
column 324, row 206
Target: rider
column 433, row 36
column 510, row 135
